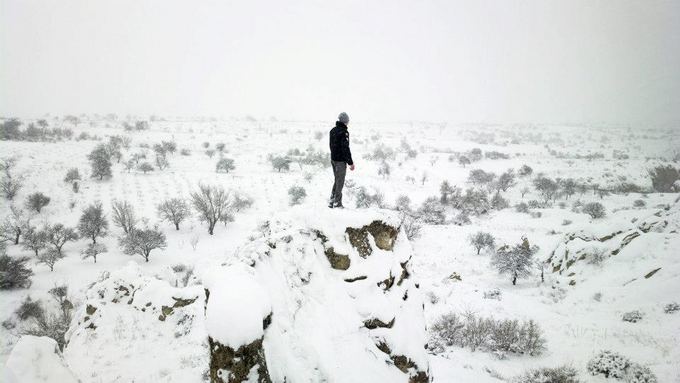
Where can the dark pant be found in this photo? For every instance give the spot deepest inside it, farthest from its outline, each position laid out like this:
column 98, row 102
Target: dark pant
column 339, row 170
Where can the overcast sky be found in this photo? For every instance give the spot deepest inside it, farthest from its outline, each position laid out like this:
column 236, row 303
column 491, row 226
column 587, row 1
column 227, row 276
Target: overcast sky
column 461, row 61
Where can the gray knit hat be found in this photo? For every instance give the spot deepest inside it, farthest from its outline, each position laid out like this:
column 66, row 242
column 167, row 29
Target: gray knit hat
column 344, row 118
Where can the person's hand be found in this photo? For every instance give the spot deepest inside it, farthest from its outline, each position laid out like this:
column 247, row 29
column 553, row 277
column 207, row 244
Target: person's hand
column 351, row 167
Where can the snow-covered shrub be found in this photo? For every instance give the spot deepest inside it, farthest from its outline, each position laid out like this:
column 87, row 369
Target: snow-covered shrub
column 10, row 185
column 594, row 210
column 446, row 191
column 411, row 225
column 403, row 203
column 515, row 261
column 220, row 146
column 142, row 242
column 463, row 218
column 494, row 155
column 609, row 364
column 474, row 202
column 596, row 256
column 664, row 178
column 384, row 170
column 498, row 202
column 145, row 167
column 225, row 165
column 566, row 222
column 174, row 210
column 577, row 206
column 522, row 207
column 93, row 223
column 639, row 203
column 185, row 152
column 493, row 294
column 671, row 308
column 37, row 201
column 632, row 316
column 240, row 202
column 464, row 160
column 637, row 373
column 297, row 194
column 431, row 212
column 481, row 240
column 562, row 374
column 486, row 334
column 535, row 214
column 210, row 153
column 446, row 331
column 29, row 309
column 123, row 215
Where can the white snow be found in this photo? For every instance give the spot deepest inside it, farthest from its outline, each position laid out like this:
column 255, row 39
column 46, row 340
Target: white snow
column 236, row 307
column 36, row 360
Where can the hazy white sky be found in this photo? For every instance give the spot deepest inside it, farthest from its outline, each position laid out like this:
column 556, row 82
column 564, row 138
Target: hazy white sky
column 496, row 61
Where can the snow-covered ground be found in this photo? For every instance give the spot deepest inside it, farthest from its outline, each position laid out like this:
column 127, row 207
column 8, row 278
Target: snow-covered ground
column 579, row 309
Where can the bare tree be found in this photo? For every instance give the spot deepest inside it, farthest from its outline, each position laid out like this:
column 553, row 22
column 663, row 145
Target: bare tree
column 14, row 225
column 34, row 240
column 174, row 210
column 50, row 257
column 142, row 242
column 481, row 240
column 123, row 215
column 93, row 250
column 58, row 235
column 212, row 204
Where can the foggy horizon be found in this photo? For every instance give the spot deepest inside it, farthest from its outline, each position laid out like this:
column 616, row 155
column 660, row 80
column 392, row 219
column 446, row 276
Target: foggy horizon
column 493, row 62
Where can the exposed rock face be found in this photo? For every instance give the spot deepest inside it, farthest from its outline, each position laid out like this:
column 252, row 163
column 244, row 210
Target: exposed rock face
column 384, row 236
column 247, row 363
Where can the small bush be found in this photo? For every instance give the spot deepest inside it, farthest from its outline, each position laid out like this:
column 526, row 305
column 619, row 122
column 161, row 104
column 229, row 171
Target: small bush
column 280, row 163
column 671, row 308
column 609, row 364
column 639, row 203
column 493, row 294
column 486, row 334
column 594, row 209
column 522, row 207
column 562, row 374
column 637, row 373
column 29, row 309
column 632, row 316
column 297, row 194
column 431, row 212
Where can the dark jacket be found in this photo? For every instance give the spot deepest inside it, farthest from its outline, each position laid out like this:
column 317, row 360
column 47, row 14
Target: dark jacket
column 339, row 141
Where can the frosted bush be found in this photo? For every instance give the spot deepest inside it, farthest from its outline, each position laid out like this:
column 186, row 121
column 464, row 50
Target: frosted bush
column 594, row 210
column 297, row 194
column 493, row 294
column 486, row 334
column 632, row 316
column 432, row 212
column 609, row 364
column 637, row 373
column 671, row 308
column 562, row 374
column 522, row 207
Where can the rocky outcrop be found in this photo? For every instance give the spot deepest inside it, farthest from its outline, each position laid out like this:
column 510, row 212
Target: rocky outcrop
column 383, row 235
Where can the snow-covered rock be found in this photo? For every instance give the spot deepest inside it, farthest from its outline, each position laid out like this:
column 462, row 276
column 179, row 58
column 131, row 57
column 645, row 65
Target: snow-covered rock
column 276, row 310
column 36, row 360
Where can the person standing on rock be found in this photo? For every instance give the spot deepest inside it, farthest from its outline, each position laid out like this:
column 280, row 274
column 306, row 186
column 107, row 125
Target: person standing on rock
column 341, row 156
